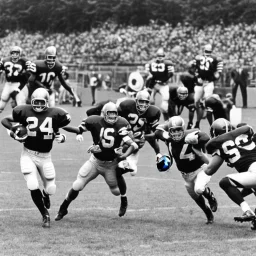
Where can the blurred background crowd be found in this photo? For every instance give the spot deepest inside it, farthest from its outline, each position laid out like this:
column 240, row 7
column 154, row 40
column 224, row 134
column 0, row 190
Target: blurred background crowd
column 138, row 44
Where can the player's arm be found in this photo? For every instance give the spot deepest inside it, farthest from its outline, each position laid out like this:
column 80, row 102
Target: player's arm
column 67, row 87
column 7, row 122
column 161, row 133
column 214, row 165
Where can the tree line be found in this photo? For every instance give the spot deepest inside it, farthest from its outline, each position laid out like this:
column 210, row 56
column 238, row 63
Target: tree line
column 67, row 16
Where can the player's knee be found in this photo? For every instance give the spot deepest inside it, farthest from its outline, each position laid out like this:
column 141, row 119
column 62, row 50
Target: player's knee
column 115, row 191
column 32, row 184
column 225, row 183
column 49, row 171
column 51, row 188
column 78, row 185
column 164, row 106
column 133, row 169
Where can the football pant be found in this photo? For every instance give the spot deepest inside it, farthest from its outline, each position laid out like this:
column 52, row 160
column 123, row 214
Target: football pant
column 163, row 90
column 92, row 168
column 203, row 91
column 130, row 163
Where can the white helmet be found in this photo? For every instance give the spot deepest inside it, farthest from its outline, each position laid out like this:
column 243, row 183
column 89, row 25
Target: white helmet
column 176, row 128
column 182, row 92
column 15, row 53
column 207, row 49
column 39, row 100
column 50, row 56
column 142, row 101
column 109, row 112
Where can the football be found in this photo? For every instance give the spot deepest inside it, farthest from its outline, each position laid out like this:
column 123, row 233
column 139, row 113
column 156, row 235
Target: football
column 20, row 130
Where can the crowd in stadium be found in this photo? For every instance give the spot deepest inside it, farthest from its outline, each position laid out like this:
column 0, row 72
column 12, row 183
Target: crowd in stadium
column 131, row 44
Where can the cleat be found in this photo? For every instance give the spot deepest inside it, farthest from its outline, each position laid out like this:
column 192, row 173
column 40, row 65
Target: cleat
column 190, row 125
column 60, row 215
column 47, row 202
column 46, row 221
column 212, row 201
column 123, row 206
column 247, row 216
column 253, row 224
column 210, row 217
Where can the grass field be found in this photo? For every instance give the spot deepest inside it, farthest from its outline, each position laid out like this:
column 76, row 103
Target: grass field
column 161, row 218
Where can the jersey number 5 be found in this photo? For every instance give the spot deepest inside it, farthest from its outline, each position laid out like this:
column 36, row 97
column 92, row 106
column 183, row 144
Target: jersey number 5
column 106, row 137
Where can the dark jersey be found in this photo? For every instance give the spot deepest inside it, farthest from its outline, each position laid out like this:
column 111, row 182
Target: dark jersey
column 188, row 81
column 186, row 159
column 161, row 71
column 214, row 104
column 137, row 121
column 175, row 99
column 42, row 126
column 237, row 148
column 206, row 66
column 46, row 75
column 107, row 136
column 14, row 71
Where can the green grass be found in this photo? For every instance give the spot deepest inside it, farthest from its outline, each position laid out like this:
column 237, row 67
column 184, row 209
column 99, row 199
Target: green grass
column 161, row 218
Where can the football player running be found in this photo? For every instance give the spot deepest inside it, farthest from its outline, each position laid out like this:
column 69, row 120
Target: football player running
column 43, row 74
column 190, row 159
column 180, row 98
column 42, row 123
column 208, row 68
column 237, row 148
column 14, row 68
column 109, row 132
column 160, row 71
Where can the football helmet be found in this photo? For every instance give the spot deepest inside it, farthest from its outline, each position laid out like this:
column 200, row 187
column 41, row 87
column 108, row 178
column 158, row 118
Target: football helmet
column 142, row 101
column 176, row 128
column 207, row 49
column 164, row 163
column 220, row 126
column 39, row 100
column 160, row 55
column 182, row 92
column 109, row 112
column 50, row 56
column 15, row 53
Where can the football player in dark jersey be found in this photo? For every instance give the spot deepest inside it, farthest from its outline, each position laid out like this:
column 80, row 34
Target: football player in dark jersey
column 180, row 98
column 160, row 71
column 16, row 76
column 237, row 148
column 190, row 159
column 208, row 68
column 109, row 132
column 42, row 123
column 44, row 72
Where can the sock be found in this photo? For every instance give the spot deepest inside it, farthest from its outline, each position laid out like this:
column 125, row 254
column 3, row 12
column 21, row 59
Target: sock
column 201, row 203
column 45, row 194
column 121, row 182
column 245, row 207
column 72, row 195
column 37, row 198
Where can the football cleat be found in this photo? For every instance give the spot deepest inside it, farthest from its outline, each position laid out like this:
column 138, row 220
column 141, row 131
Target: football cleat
column 60, row 215
column 212, row 200
column 247, row 216
column 123, row 206
column 46, row 221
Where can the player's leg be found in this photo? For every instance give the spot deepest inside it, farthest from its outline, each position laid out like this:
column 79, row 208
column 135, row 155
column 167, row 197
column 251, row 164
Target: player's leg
column 47, row 174
column 199, row 93
column 231, row 184
column 5, row 96
column 234, row 92
column 52, row 100
column 164, row 92
column 199, row 199
column 190, row 105
column 86, row 173
column 29, row 170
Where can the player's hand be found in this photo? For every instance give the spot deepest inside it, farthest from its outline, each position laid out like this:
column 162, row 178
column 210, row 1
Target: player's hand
column 79, row 137
column 199, row 81
column 119, row 151
column 166, row 135
column 122, row 90
column 217, row 75
column 192, row 138
column 121, row 157
column 16, row 137
column 60, row 138
column 202, row 180
column 94, row 149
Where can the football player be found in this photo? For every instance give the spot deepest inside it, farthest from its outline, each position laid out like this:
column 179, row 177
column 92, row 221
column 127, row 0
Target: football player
column 109, row 132
column 180, row 98
column 14, row 68
column 237, row 148
column 44, row 72
column 208, row 68
column 190, row 159
column 160, row 71
column 42, row 123
column 217, row 107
